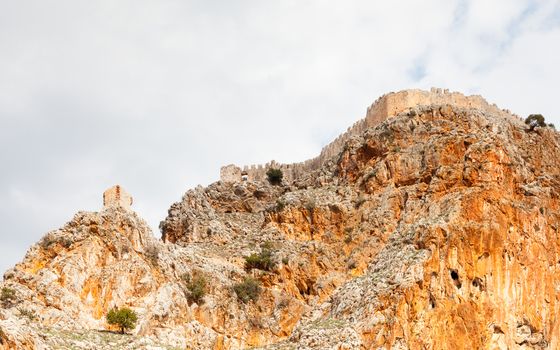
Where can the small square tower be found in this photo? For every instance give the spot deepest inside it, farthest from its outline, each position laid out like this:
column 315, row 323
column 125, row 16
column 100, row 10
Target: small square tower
column 117, row 197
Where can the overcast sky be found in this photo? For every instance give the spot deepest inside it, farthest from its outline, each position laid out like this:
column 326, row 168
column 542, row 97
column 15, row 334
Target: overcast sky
column 157, row 95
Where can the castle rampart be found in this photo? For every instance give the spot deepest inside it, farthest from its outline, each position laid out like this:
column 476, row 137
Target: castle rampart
column 386, row 106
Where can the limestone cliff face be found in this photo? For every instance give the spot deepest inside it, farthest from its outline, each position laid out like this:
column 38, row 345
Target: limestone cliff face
column 436, row 229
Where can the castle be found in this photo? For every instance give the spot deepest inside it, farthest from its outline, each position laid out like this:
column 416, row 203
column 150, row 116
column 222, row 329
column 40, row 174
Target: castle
column 386, row 106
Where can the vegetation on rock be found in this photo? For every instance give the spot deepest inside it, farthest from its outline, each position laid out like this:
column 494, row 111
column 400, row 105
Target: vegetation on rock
column 152, row 253
column 274, row 176
column 8, row 296
column 196, row 286
column 124, row 318
column 535, row 120
column 262, row 261
column 28, row 314
column 248, row 290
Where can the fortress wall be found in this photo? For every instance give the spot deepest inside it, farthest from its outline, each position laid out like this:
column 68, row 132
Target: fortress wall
column 394, row 103
column 384, row 107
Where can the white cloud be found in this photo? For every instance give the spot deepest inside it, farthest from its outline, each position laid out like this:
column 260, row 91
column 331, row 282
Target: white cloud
column 157, row 95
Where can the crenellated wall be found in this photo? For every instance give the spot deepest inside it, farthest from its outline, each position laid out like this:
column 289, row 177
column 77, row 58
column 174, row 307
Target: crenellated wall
column 384, row 107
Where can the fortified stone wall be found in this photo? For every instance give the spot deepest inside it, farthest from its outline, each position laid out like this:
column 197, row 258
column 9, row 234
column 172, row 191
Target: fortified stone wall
column 386, row 106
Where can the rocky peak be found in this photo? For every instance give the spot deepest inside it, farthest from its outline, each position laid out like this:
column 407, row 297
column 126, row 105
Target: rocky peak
column 436, row 228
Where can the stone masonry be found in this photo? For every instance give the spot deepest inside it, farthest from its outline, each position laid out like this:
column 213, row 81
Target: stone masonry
column 388, row 105
column 116, row 196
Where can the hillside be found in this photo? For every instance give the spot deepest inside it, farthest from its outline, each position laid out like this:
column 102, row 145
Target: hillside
column 435, row 226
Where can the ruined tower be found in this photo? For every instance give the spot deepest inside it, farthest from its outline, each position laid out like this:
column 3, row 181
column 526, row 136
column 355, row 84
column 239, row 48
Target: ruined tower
column 117, row 197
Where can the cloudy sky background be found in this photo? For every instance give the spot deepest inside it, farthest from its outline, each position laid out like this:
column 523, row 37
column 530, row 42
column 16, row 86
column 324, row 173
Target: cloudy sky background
column 157, row 95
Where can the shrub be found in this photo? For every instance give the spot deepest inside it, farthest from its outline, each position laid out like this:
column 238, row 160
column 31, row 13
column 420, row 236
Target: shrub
column 280, row 205
column 274, row 176
column 49, row 240
column 8, row 296
column 535, row 120
column 196, row 286
column 124, row 317
column 29, row 314
column 152, row 253
column 261, row 261
column 249, row 289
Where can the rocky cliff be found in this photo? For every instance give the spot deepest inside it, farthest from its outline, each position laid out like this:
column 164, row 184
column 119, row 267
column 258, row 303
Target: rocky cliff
column 436, row 229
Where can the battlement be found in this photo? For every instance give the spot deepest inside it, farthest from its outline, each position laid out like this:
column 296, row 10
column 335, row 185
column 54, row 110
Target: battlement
column 386, row 106
column 117, row 197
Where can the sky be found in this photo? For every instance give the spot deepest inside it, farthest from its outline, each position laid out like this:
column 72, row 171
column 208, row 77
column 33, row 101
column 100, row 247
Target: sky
column 157, row 95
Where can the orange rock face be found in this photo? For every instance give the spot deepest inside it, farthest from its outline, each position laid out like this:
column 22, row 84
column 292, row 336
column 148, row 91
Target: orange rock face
column 437, row 229
column 479, row 211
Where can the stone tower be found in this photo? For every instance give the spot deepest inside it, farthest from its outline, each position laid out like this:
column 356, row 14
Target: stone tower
column 117, row 197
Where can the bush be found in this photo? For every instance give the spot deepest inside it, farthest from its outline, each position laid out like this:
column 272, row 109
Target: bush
column 261, row 261
column 249, row 289
column 8, row 296
column 47, row 241
column 280, row 205
column 274, row 176
column 152, row 253
column 124, row 317
column 50, row 240
column 29, row 314
column 535, row 120
column 196, row 286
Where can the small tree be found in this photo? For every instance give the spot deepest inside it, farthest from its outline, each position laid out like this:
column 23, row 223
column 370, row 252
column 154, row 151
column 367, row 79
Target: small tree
column 196, row 286
column 249, row 289
column 124, row 317
column 535, row 120
column 274, row 176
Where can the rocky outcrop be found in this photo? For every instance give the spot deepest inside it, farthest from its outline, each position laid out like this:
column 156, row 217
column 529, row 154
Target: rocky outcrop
column 468, row 204
column 435, row 229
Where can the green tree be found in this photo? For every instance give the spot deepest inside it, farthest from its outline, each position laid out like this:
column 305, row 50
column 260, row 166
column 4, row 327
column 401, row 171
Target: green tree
column 274, row 176
column 124, row 317
column 535, row 120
